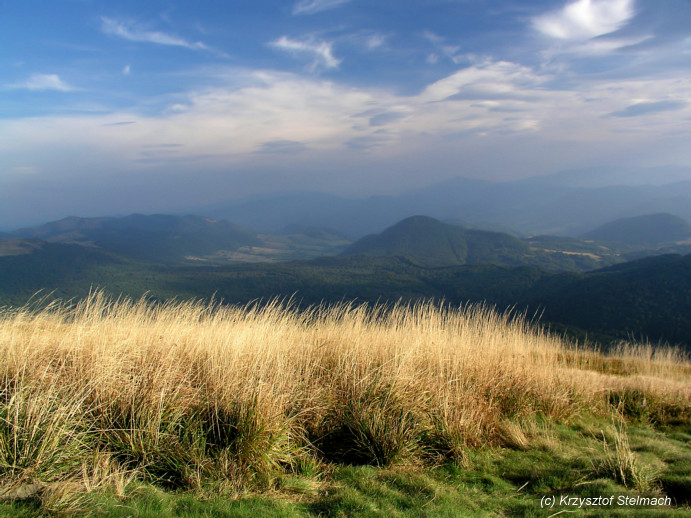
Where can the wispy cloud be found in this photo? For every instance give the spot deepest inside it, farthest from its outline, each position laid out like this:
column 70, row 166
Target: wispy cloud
column 584, row 19
column 314, row 6
column 371, row 41
column 645, row 108
column 44, row 82
column 132, row 32
column 449, row 51
column 320, row 52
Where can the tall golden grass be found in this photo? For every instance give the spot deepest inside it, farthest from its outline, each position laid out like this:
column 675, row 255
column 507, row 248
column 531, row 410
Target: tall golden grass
column 184, row 393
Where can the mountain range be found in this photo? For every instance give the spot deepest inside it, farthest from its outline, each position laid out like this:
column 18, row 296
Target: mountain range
column 553, row 204
column 418, row 258
column 183, row 239
column 423, row 240
column 159, row 237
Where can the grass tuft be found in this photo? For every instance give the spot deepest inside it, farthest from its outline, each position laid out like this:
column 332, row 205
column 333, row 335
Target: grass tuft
column 621, row 464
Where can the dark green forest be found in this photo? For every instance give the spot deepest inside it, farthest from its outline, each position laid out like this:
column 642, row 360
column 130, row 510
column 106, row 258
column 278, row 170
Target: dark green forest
column 647, row 299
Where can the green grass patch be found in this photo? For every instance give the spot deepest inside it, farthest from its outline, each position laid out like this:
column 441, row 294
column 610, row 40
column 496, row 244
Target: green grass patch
column 487, row 482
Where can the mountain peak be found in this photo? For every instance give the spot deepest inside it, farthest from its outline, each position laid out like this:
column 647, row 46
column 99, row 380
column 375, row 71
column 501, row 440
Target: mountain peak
column 430, row 242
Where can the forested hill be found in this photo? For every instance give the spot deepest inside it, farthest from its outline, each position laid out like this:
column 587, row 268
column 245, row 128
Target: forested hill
column 155, row 238
column 652, row 230
column 428, row 242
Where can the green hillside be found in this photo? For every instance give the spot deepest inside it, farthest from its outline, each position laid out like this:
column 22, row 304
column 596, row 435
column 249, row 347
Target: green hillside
column 428, row 242
column 647, row 298
column 186, row 239
column 156, row 238
column 66, row 270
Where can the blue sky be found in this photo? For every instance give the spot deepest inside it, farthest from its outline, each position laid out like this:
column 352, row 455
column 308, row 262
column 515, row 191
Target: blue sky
column 119, row 106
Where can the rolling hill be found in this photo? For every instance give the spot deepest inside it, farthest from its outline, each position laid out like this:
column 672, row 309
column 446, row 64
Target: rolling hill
column 186, row 239
column 652, row 230
column 429, row 242
column 155, row 238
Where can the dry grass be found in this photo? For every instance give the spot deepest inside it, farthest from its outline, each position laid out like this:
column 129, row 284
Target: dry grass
column 621, row 463
column 185, row 393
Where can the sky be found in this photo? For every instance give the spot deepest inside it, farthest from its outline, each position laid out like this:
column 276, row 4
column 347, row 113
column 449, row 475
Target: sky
column 111, row 107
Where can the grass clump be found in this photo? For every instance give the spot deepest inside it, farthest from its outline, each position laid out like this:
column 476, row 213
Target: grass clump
column 621, row 464
column 44, row 431
column 377, row 427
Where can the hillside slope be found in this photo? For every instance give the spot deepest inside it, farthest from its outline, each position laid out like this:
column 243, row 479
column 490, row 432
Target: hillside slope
column 429, row 242
column 651, row 230
column 155, row 238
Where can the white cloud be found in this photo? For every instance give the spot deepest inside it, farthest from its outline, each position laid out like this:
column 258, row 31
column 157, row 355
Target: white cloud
column 131, row 32
column 314, row 6
column 44, row 82
column 449, row 51
column 126, row 70
column 320, row 51
column 374, row 41
column 584, row 19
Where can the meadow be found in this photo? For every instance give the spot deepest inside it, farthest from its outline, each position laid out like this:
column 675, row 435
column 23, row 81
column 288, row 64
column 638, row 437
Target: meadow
column 106, row 402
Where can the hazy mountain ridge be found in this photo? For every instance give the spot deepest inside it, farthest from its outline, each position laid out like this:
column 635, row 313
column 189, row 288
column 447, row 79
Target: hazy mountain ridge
column 158, row 238
column 538, row 205
column 652, row 230
column 417, row 258
column 183, row 239
column 421, row 239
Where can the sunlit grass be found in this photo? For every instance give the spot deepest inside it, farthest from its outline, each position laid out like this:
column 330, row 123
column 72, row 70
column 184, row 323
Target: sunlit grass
column 205, row 397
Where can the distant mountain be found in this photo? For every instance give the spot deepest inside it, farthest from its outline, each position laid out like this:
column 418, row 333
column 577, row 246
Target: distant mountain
column 429, row 242
column 156, row 238
column 651, row 230
column 592, row 177
column 539, row 205
column 322, row 233
column 271, row 213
